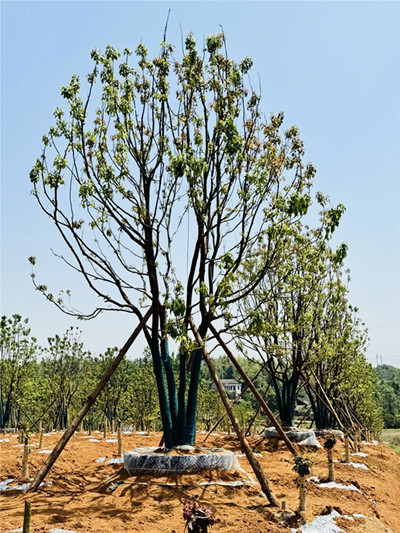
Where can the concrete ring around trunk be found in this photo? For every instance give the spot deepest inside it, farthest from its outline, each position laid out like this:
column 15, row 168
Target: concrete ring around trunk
column 299, row 436
column 153, row 461
column 329, row 433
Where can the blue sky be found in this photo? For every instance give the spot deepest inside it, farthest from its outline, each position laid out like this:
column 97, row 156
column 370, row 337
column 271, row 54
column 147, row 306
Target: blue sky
column 332, row 67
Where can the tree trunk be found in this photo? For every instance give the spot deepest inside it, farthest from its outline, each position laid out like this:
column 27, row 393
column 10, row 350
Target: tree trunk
column 302, row 484
column 331, row 469
column 346, row 449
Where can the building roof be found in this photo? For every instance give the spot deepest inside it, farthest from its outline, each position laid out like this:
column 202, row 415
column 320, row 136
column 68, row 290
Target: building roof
column 229, row 382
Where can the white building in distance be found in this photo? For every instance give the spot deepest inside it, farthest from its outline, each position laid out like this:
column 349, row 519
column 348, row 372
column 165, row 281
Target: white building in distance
column 233, row 387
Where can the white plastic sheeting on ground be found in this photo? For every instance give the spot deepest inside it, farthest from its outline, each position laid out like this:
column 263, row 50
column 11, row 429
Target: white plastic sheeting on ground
column 45, row 451
column 93, row 440
column 61, row 531
column 373, row 443
column 4, row 440
column 358, row 465
column 334, row 485
column 4, row 485
column 111, row 440
column 326, row 523
column 118, row 461
column 244, row 455
column 354, row 465
column 322, row 524
column 20, row 529
column 100, row 460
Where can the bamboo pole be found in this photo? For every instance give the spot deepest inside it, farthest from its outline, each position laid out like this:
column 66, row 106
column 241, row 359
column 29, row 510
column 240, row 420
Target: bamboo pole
column 27, row 518
column 257, row 395
column 243, row 441
column 90, row 401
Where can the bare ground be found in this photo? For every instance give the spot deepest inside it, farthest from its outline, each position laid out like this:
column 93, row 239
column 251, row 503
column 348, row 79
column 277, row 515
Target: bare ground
column 80, row 498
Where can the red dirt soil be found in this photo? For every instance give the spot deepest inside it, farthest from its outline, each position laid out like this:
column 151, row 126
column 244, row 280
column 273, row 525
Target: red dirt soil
column 79, row 496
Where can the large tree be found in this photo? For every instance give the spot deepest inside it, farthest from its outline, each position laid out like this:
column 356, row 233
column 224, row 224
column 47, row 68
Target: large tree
column 284, row 316
column 142, row 155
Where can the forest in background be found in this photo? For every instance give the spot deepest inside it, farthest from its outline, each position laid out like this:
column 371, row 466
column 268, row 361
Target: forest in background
column 51, row 384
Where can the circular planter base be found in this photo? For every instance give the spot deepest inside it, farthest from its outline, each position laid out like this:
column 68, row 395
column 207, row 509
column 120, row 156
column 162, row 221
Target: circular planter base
column 156, row 462
column 329, row 432
column 300, row 437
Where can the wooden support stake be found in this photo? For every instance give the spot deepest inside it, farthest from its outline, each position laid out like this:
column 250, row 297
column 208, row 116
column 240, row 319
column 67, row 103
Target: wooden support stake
column 90, row 401
column 27, row 518
column 346, row 448
column 243, row 441
column 25, row 468
column 40, row 435
column 331, row 468
column 105, row 427
column 119, row 435
column 257, row 395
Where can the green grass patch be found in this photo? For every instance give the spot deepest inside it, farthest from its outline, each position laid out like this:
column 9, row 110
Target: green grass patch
column 391, row 437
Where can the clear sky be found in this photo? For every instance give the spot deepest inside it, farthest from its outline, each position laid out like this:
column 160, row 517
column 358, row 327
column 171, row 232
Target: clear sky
column 332, row 67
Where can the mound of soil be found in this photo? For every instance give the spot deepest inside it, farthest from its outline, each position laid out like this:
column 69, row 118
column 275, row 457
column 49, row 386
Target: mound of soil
column 85, row 492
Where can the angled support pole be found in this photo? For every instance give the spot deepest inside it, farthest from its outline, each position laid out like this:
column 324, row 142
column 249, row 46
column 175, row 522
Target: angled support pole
column 257, row 395
column 327, row 402
column 243, row 441
column 90, row 401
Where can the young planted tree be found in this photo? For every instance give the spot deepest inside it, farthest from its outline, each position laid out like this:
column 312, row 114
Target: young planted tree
column 329, row 444
column 302, row 466
column 145, row 148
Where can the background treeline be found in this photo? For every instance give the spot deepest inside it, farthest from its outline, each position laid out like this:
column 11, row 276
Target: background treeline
column 388, row 394
column 51, row 384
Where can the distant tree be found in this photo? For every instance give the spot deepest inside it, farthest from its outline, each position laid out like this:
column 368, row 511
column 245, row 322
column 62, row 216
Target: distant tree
column 141, row 399
column 63, row 367
column 17, row 354
column 111, row 400
column 388, row 394
column 359, row 392
column 150, row 147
